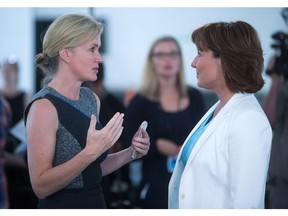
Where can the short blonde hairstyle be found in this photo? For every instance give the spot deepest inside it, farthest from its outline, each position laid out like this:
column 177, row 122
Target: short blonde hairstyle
column 149, row 86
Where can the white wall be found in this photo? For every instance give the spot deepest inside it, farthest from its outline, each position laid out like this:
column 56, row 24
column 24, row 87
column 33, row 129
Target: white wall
column 129, row 34
column 17, row 37
column 131, row 31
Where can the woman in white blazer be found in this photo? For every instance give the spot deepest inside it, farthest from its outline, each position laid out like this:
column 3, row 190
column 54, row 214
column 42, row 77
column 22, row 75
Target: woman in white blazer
column 224, row 161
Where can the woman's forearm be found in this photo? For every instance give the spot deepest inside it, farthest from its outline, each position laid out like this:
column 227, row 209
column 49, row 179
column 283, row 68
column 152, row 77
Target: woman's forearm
column 116, row 160
column 56, row 178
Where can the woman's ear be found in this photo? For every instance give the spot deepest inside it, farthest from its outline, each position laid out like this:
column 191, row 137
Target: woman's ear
column 65, row 55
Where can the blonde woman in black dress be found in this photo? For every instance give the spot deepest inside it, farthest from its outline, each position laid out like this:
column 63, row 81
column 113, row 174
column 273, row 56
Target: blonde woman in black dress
column 67, row 146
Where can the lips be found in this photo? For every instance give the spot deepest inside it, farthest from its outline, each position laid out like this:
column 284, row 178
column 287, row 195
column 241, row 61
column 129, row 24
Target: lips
column 167, row 67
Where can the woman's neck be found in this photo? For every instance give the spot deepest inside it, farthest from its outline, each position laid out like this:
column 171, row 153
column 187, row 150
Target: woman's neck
column 10, row 90
column 68, row 89
column 167, row 86
column 169, row 97
column 224, row 97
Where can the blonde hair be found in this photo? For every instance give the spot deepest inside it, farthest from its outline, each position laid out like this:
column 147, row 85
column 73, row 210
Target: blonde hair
column 66, row 31
column 149, row 86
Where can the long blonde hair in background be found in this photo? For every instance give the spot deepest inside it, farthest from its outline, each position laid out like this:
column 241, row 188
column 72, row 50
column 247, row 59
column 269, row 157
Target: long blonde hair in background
column 149, row 86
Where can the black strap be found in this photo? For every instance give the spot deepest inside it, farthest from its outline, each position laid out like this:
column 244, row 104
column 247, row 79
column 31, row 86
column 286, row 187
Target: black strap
column 69, row 116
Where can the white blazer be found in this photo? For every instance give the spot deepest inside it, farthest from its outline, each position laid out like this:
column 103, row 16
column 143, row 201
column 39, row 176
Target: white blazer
column 227, row 167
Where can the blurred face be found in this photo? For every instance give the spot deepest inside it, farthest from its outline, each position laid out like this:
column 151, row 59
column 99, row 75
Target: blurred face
column 166, row 59
column 208, row 70
column 9, row 74
column 84, row 60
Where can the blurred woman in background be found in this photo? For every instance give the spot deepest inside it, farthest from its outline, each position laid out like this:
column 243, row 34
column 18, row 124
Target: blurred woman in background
column 171, row 108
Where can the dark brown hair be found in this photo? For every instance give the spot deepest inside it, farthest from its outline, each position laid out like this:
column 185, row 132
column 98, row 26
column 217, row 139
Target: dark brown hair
column 238, row 46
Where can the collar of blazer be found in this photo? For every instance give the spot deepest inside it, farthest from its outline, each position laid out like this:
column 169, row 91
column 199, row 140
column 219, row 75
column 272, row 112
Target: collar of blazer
column 230, row 105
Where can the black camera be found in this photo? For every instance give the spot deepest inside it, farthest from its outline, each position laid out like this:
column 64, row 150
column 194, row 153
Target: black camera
column 281, row 46
column 281, row 61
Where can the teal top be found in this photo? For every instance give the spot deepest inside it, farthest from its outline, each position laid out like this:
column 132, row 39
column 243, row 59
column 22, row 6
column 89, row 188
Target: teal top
column 194, row 138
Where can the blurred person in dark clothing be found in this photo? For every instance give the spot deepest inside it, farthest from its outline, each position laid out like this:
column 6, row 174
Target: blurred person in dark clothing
column 17, row 98
column 275, row 105
column 116, row 185
column 171, row 108
column 5, row 118
column 111, row 103
column 20, row 191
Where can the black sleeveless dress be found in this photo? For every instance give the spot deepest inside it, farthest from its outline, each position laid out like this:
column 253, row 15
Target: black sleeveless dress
column 85, row 191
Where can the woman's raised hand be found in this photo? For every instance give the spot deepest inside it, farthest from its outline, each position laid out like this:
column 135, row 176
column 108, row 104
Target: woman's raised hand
column 99, row 141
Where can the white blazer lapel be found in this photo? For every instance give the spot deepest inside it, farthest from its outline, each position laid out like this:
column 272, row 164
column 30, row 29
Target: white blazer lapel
column 193, row 130
column 178, row 170
column 216, row 121
column 206, row 135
